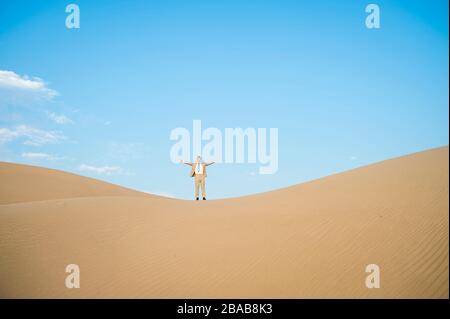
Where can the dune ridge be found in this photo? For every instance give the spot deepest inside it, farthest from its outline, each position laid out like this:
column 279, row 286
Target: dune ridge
column 311, row 240
column 25, row 183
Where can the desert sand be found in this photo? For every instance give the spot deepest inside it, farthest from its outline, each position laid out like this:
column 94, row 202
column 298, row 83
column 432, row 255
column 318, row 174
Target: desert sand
column 311, row 240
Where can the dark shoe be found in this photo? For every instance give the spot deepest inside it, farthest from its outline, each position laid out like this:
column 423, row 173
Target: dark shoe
column 204, row 198
column 196, row 198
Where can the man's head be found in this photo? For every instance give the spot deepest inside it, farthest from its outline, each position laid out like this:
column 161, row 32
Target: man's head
column 199, row 158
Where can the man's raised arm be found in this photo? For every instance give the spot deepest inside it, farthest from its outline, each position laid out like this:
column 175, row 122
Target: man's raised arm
column 187, row 163
column 210, row 163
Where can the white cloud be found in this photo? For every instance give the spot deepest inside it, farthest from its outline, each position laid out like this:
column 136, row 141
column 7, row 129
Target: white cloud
column 30, row 135
column 15, row 88
column 39, row 156
column 101, row 170
column 59, row 119
column 7, row 135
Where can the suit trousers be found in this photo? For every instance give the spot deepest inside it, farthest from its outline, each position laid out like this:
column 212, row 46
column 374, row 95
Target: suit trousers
column 200, row 182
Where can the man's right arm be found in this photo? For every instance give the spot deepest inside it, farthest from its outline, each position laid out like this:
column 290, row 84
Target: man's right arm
column 187, row 163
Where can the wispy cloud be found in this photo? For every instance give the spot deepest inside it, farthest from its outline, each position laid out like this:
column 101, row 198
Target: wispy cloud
column 101, row 170
column 39, row 156
column 7, row 135
column 59, row 119
column 15, row 88
column 30, row 135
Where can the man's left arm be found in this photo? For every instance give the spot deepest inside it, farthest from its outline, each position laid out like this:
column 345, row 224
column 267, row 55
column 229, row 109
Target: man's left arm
column 210, row 163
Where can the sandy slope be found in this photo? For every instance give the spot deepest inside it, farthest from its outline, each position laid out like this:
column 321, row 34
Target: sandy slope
column 309, row 240
column 23, row 183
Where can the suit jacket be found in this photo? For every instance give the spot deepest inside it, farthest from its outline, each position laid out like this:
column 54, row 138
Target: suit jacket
column 193, row 165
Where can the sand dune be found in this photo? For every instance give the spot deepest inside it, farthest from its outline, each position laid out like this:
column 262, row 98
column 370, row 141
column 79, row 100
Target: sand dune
column 307, row 241
column 23, row 183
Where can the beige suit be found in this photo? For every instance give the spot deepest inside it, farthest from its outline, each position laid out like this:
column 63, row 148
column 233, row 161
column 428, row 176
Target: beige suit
column 193, row 165
column 199, row 178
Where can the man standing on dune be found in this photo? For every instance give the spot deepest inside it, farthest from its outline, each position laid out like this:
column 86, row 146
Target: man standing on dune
column 198, row 171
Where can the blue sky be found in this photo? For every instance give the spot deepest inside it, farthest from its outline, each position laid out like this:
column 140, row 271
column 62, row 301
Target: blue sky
column 102, row 100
